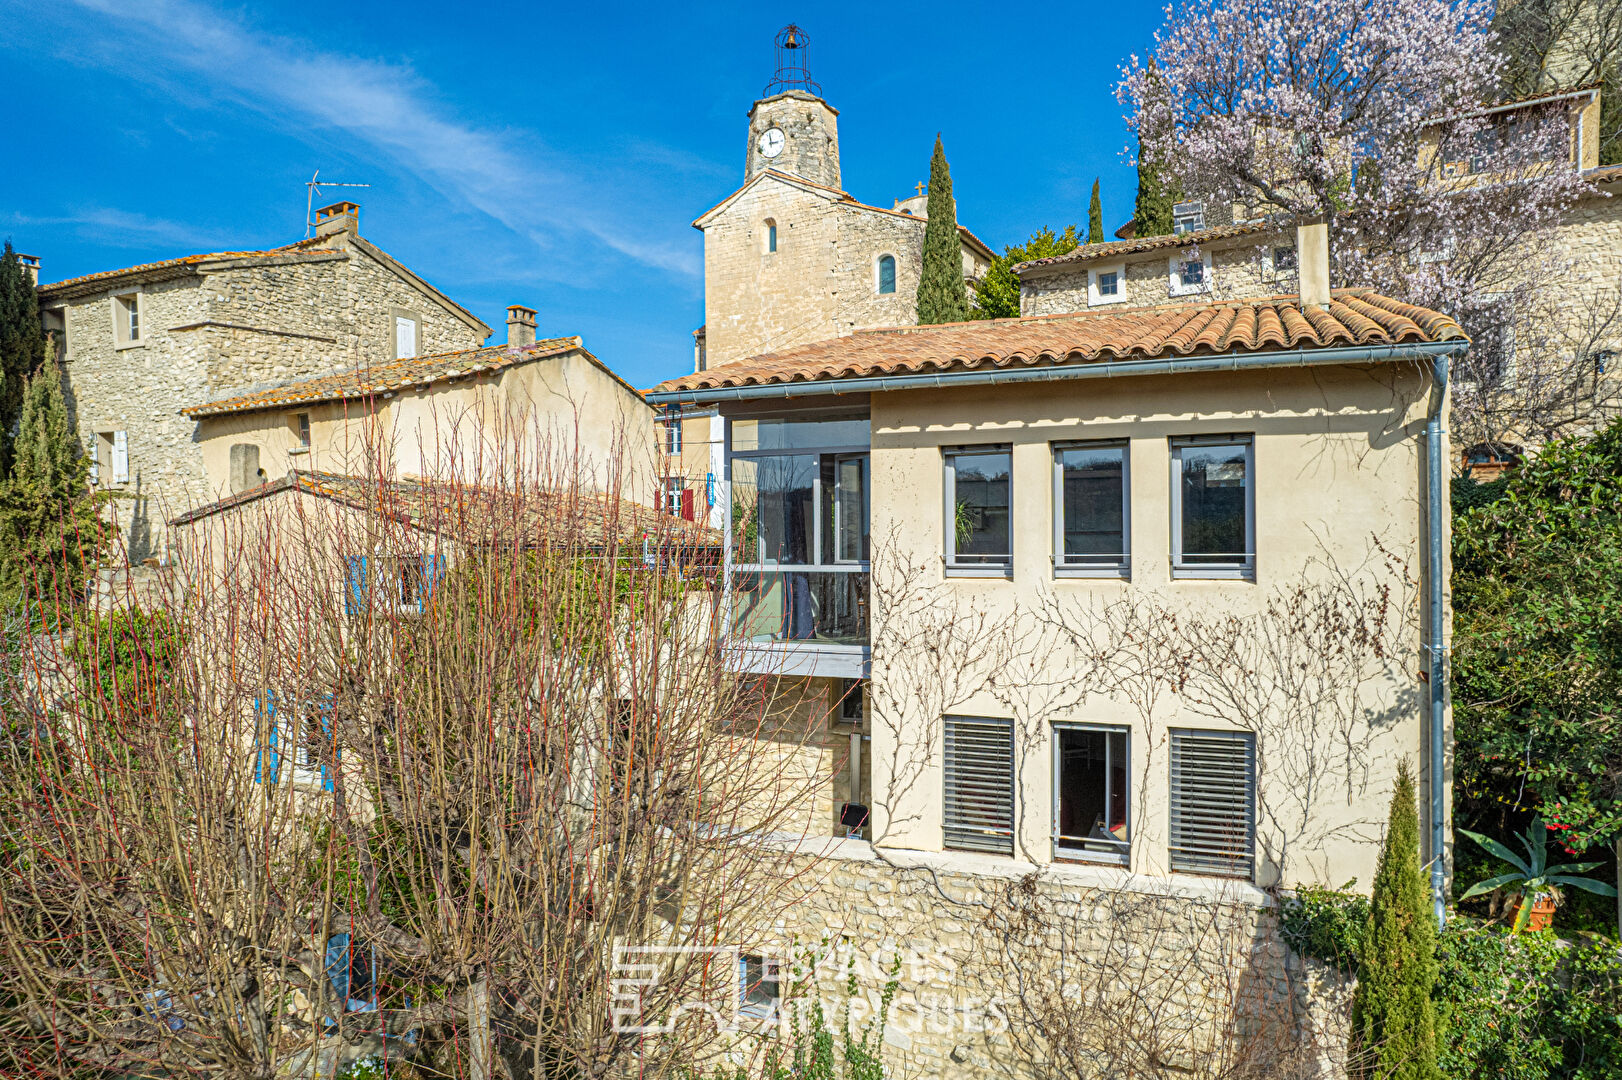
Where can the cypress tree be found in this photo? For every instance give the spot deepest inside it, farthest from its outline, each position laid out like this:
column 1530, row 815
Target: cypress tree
column 1152, row 213
column 22, row 346
column 1095, row 218
column 51, row 531
column 1393, row 1016
column 942, row 296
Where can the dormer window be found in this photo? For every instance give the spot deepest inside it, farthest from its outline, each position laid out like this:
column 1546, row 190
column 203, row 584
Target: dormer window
column 886, row 273
column 1187, row 217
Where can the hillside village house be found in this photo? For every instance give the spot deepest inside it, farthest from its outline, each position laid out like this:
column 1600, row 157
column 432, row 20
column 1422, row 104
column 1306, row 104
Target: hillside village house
column 142, row 342
column 465, row 414
column 1218, row 254
column 790, row 257
column 934, row 529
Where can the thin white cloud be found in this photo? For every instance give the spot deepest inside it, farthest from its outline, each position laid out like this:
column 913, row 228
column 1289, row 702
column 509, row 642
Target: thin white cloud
column 504, row 174
column 122, row 228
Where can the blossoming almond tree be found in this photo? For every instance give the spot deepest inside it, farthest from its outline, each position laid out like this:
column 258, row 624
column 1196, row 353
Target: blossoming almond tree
column 1371, row 115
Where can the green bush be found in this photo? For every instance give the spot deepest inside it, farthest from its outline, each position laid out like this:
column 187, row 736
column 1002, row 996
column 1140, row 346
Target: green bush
column 1326, row 924
column 1509, row 1006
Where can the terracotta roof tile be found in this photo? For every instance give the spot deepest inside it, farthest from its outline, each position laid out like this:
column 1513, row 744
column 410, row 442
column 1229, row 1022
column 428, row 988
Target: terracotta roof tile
column 395, row 375
column 1087, row 252
column 1354, row 317
column 475, row 514
column 299, row 248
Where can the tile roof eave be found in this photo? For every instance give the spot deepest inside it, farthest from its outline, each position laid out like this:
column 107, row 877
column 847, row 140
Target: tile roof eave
column 1357, row 318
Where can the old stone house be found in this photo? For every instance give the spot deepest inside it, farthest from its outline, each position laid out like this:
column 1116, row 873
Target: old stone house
column 942, row 539
column 1579, row 311
column 790, row 257
column 470, row 415
column 140, row 343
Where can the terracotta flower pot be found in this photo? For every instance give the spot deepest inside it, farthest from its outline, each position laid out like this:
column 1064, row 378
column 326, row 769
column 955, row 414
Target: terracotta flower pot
column 1542, row 914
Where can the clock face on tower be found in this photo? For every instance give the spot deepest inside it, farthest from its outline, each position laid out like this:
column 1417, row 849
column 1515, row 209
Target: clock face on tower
column 770, row 142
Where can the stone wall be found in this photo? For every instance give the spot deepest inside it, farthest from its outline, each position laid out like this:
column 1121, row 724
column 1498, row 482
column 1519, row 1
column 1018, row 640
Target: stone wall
column 234, row 324
column 821, row 282
column 1237, row 271
column 1144, row 977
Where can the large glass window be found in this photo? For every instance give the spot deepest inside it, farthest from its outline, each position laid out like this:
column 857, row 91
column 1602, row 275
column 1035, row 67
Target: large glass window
column 1090, row 494
column 800, row 542
column 1091, row 786
column 978, row 509
column 1213, row 507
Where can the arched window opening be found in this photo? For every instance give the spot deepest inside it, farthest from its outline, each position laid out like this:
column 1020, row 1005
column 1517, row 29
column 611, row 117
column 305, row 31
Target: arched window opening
column 771, row 236
column 886, row 273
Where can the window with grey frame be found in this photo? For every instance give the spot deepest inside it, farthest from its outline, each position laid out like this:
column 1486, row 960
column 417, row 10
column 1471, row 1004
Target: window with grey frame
column 1091, row 788
column 1091, row 509
column 1213, row 802
column 886, row 273
column 801, row 524
column 1213, row 513
column 979, row 510
column 978, row 805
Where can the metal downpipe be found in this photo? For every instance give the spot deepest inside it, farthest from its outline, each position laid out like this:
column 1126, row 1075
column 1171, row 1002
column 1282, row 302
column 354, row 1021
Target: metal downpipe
column 1436, row 505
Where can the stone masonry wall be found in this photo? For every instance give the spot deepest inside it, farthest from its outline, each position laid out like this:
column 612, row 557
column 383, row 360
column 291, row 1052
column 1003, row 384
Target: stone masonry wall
column 1237, row 271
column 821, row 282
column 1154, row 977
column 244, row 323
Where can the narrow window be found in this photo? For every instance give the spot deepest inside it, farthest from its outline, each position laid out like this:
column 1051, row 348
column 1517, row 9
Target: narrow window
column 771, row 236
column 1213, row 802
column 979, row 804
column 844, row 508
column 1091, row 787
column 675, row 486
column 303, row 420
column 673, row 436
column 1090, row 494
column 886, row 273
column 1213, row 507
column 127, row 319
column 121, row 457
column 758, row 990
column 978, row 509
column 850, row 701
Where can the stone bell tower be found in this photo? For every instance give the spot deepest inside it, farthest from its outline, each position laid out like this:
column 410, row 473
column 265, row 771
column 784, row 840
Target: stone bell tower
column 791, row 129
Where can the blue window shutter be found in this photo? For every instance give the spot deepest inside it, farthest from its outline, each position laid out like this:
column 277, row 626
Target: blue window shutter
column 266, row 706
column 325, row 712
column 354, row 584
column 433, row 568
column 709, row 489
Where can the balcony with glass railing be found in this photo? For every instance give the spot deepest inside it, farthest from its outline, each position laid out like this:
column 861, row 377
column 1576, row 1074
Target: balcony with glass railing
column 799, row 544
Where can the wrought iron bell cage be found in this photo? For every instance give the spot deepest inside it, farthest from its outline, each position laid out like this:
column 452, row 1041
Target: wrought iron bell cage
column 793, row 54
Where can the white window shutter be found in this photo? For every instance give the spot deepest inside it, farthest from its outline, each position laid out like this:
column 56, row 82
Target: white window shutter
column 121, row 457
column 405, row 337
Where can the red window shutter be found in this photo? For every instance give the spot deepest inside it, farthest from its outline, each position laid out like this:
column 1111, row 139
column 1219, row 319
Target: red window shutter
column 687, row 503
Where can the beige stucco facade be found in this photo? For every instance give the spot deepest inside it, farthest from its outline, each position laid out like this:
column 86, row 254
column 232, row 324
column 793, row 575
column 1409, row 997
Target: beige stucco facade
column 558, row 418
column 214, row 324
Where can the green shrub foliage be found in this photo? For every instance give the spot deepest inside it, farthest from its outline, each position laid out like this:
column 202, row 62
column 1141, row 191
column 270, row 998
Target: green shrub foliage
column 1393, row 1016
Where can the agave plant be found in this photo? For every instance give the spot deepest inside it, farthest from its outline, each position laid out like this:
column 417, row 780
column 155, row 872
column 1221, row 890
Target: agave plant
column 1533, row 876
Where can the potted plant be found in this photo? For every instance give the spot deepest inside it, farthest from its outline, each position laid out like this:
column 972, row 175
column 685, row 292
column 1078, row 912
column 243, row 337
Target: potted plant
column 1533, row 878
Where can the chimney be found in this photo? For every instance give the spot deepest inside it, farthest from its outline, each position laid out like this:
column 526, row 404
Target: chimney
column 520, row 325
column 337, row 218
column 1312, row 262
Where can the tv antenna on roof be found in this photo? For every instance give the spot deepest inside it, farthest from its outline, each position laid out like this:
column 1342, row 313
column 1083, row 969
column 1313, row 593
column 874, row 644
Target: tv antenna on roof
column 313, row 185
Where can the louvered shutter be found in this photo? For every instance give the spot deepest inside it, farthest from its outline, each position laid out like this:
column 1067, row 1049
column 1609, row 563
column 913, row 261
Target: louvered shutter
column 1213, row 802
column 354, row 584
column 121, row 457
column 266, row 757
column 324, row 711
column 433, row 568
column 979, row 804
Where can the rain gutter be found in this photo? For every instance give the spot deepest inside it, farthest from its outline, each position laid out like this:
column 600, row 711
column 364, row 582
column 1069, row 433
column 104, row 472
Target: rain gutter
column 1099, row 369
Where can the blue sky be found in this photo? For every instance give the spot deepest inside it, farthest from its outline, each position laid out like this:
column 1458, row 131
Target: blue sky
column 546, row 154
